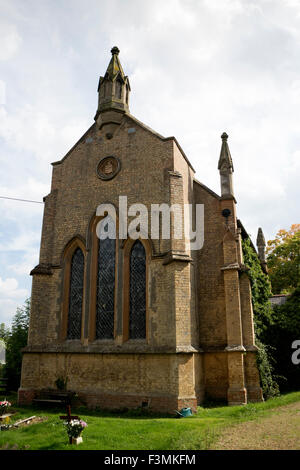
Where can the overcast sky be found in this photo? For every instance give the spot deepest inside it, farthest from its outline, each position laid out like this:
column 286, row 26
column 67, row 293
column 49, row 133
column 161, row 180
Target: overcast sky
column 197, row 68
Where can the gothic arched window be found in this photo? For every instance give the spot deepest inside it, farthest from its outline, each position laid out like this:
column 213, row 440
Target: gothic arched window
column 75, row 295
column 137, row 291
column 105, row 305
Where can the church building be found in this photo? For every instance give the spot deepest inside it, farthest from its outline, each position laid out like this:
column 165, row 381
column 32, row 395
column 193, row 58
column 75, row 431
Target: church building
column 144, row 321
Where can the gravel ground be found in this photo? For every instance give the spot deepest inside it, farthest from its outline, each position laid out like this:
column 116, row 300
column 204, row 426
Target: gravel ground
column 280, row 431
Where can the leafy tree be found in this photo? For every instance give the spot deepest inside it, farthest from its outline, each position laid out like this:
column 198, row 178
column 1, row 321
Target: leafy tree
column 283, row 259
column 4, row 332
column 285, row 328
column 276, row 328
column 16, row 340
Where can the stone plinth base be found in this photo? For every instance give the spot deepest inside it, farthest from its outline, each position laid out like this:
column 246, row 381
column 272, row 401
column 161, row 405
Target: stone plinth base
column 254, row 394
column 237, row 396
column 161, row 404
column 25, row 396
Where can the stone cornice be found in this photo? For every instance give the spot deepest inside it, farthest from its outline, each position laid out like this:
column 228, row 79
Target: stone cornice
column 176, row 256
column 235, row 348
column 42, row 269
column 109, row 347
column 243, row 268
column 231, row 266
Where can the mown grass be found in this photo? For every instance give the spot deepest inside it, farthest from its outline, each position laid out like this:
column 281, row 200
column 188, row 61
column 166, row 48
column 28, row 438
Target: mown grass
column 134, row 430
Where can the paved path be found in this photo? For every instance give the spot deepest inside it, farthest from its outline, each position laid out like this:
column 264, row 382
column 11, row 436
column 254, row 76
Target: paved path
column 277, row 432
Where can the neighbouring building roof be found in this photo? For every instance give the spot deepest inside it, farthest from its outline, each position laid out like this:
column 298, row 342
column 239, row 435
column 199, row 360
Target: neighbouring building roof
column 2, row 352
column 278, row 299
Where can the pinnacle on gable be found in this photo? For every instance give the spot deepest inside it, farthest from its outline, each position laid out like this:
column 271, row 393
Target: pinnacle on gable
column 260, row 241
column 225, row 167
column 114, row 67
column 113, row 88
column 225, row 160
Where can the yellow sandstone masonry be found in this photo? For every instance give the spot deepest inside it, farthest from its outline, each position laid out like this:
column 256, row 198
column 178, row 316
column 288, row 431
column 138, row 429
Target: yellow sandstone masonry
column 199, row 341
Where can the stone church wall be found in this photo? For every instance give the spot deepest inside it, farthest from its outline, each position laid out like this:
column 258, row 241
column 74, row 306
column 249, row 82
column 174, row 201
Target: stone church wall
column 159, row 381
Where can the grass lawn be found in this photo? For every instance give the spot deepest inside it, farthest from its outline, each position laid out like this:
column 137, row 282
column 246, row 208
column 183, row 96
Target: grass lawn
column 133, row 430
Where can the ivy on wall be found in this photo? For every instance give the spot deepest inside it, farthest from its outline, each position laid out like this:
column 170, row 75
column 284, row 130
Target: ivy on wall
column 263, row 319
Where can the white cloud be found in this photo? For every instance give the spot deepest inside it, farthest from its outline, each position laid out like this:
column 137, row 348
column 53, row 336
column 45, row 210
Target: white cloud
column 10, row 41
column 11, row 296
column 26, row 262
column 31, row 130
column 9, row 288
column 196, row 68
column 2, row 92
column 22, row 241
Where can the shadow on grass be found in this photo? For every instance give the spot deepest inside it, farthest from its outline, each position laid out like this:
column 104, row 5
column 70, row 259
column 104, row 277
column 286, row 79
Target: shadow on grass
column 213, row 403
column 96, row 412
column 125, row 413
column 209, row 409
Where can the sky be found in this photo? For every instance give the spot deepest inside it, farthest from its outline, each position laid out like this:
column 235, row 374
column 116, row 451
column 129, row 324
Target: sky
column 197, row 68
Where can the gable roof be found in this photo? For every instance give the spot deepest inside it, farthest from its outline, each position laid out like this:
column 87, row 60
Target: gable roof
column 210, row 191
column 159, row 136
column 74, row 146
column 139, row 123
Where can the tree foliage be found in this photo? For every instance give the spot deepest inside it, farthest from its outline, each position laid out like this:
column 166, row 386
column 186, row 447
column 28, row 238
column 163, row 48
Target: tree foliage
column 285, row 328
column 283, row 259
column 16, row 340
column 4, row 332
column 276, row 328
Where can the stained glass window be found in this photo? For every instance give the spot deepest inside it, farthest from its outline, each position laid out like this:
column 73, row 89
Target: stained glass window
column 137, row 294
column 105, row 287
column 76, row 295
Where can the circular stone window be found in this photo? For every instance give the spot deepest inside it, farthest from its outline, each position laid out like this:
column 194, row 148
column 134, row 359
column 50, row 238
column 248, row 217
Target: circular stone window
column 108, row 167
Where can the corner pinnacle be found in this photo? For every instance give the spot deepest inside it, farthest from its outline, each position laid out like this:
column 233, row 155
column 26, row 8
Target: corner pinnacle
column 260, row 241
column 225, row 160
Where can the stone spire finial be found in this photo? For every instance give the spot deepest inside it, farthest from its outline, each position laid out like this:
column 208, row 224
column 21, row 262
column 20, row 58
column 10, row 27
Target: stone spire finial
column 114, row 87
column 261, row 246
column 260, row 241
column 115, row 50
column 225, row 160
column 114, row 67
column 225, row 167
